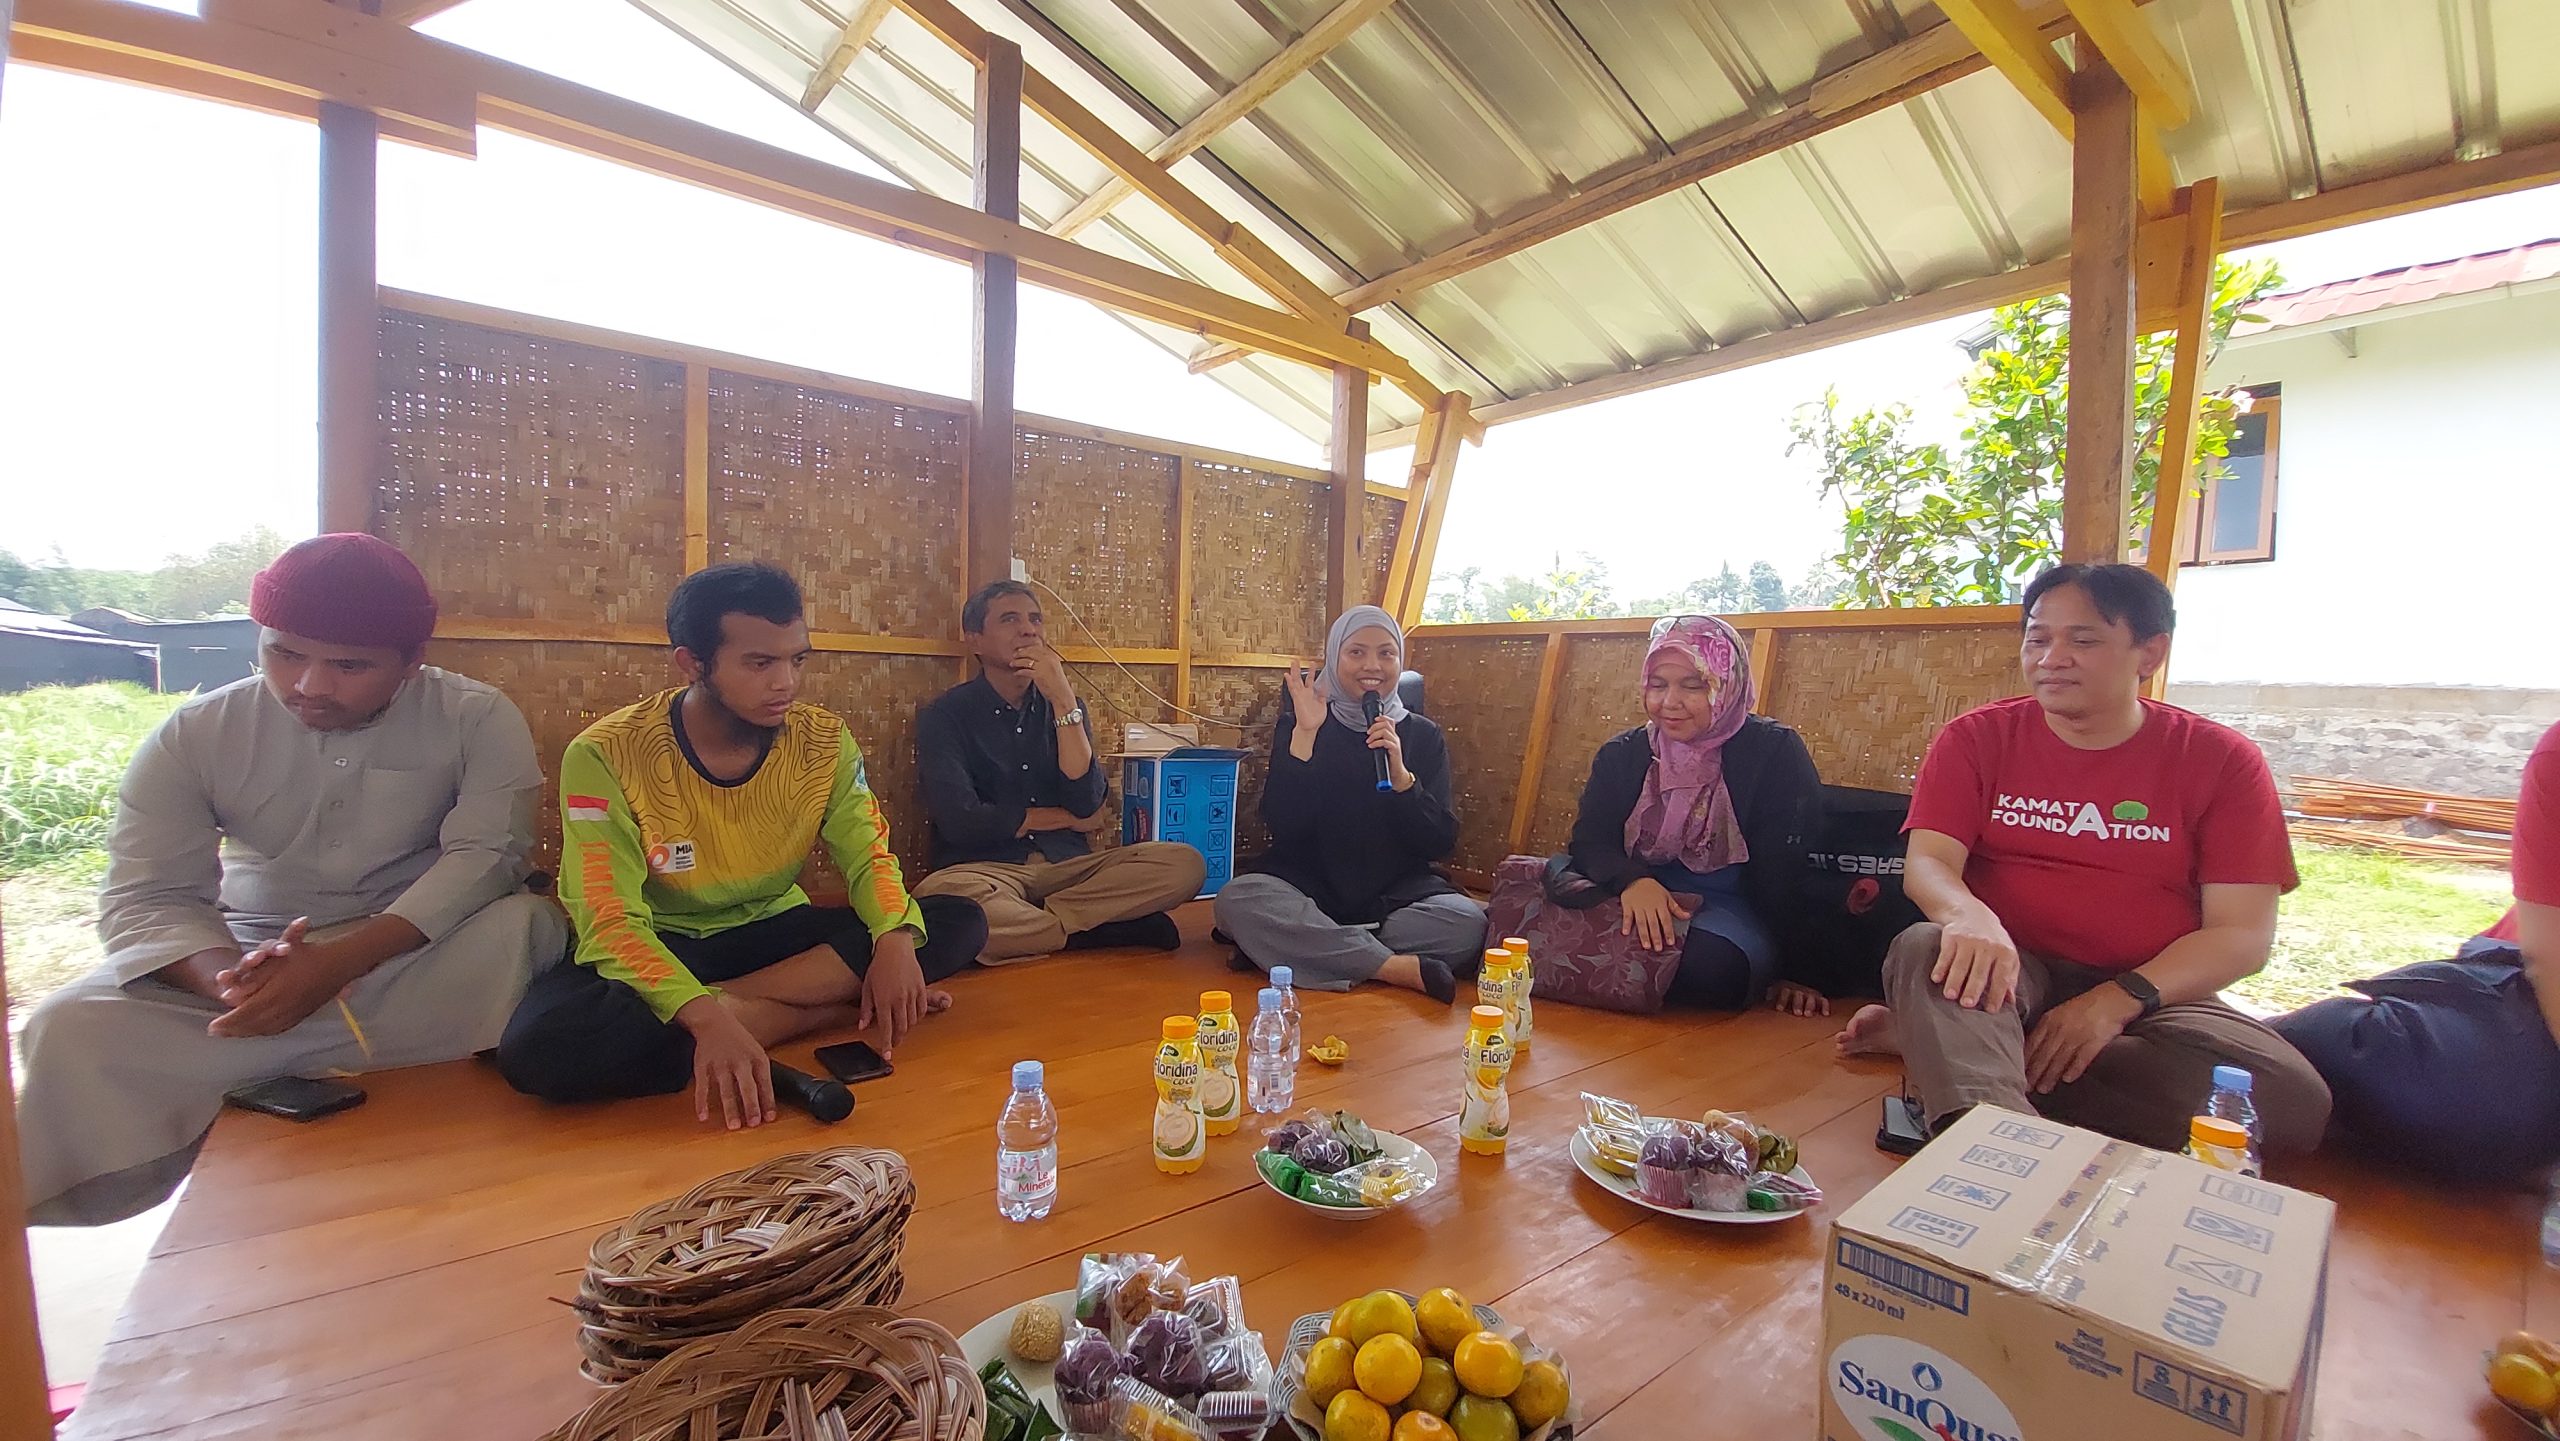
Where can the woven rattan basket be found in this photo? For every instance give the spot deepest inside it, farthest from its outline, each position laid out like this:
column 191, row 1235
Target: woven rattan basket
column 857, row 1374
column 815, row 1229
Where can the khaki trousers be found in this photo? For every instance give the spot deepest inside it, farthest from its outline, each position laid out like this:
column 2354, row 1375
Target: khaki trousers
column 2144, row 1087
column 1032, row 908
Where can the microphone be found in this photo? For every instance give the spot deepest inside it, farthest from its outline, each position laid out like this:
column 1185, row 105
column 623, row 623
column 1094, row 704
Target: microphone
column 1370, row 710
column 829, row 1100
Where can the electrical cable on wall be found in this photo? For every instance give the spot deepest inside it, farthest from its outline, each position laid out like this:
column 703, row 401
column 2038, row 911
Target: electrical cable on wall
column 1244, row 727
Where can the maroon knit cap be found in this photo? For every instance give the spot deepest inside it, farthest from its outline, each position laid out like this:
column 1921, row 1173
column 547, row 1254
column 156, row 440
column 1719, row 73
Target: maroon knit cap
column 347, row 589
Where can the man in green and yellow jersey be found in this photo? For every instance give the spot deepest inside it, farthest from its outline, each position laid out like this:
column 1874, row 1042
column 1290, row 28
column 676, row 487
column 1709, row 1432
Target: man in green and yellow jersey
column 685, row 820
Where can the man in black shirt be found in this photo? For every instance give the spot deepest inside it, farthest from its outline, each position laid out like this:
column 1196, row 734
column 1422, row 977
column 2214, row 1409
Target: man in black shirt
column 1014, row 792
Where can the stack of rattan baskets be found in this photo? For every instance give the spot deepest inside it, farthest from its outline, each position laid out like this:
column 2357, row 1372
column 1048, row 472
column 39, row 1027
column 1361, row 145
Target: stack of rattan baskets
column 815, row 1230
column 856, row 1374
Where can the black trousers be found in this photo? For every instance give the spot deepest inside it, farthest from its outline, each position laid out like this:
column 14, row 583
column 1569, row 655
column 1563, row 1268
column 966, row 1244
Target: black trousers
column 579, row 1036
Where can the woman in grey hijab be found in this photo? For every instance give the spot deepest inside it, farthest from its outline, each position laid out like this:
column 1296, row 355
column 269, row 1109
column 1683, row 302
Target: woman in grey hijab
column 1359, row 811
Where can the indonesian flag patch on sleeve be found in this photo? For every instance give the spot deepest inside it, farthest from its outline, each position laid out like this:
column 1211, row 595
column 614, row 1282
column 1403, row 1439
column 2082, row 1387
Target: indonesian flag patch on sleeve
column 583, row 808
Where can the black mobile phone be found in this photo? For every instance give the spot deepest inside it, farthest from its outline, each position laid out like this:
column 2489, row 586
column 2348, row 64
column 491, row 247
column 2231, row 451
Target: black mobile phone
column 853, row 1062
column 1903, row 1133
column 296, row 1098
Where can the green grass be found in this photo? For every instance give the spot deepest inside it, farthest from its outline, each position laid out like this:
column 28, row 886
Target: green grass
column 63, row 751
column 2360, row 913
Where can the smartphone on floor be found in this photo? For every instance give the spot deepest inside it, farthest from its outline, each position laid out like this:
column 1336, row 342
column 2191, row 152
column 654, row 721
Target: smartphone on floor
column 1902, row 1133
column 853, row 1062
column 296, row 1098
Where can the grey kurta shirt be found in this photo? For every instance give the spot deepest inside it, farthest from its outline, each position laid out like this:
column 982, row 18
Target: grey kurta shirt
column 235, row 818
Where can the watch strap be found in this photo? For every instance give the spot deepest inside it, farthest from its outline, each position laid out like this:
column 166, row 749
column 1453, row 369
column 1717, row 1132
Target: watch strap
column 2138, row 986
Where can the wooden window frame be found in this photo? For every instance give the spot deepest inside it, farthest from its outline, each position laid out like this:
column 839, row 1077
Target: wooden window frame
column 2197, row 522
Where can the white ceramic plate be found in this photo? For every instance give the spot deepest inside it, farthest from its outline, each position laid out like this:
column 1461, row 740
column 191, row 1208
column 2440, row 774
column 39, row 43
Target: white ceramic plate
column 1426, row 1171
column 986, row 1342
column 1625, row 1186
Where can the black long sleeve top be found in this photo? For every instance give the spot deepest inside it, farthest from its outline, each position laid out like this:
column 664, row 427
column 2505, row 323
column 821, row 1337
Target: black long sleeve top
column 1343, row 841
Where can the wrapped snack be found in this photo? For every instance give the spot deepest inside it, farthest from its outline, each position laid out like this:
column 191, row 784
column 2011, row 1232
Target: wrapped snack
column 1714, row 1190
column 1323, row 1154
column 1773, row 1192
column 1237, row 1363
column 1139, row 1412
column 1286, row 1136
column 1777, row 1153
column 1216, row 1306
column 1610, row 1113
column 1614, row 1130
column 1356, row 1137
column 1331, row 1051
column 1086, row 1373
column 1663, row 1168
column 1721, row 1151
column 1319, row 1189
column 1165, row 1352
column 1281, row 1170
column 1116, row 1290
column 1383, row 1182
column 1738, row 1127
column 1011, row 1413
column 1237, row 1413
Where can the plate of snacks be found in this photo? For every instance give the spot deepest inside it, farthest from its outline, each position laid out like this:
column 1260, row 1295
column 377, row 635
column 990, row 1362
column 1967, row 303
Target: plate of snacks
column 2524, row 1374
column 1136, row 1350
column 1719, row 1167
column 1331, row 1163
column 1421, row 1368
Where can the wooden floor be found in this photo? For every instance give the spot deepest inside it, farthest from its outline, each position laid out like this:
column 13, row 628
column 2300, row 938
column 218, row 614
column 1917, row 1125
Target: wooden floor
column 389, row 1273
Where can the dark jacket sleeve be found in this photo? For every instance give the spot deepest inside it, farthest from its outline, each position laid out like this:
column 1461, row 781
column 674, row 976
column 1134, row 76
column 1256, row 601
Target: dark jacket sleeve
column 1084, row 794
column 965, row 820
column 1779, row 823
column 1427, row 815
column 1599, row 842
column 1290, row 805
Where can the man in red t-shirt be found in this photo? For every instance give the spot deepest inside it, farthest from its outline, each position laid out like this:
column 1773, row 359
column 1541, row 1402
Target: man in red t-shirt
column 2094, row 867
column 2411, row 1059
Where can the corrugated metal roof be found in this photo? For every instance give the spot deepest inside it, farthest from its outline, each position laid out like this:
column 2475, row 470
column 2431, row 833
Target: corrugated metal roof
column 1440, row 119
column 2409, row 285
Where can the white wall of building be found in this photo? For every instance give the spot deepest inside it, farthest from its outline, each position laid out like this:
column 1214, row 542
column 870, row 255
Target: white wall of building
column 2417, row 536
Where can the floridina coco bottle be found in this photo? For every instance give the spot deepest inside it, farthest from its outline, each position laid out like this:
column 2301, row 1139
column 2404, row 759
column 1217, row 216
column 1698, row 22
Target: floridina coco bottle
column 1181, row 1135
column 1521, row 984
column 1221, row 1089
column 1484, row 1109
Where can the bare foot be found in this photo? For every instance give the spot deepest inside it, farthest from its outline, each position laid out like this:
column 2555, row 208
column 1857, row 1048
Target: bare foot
column 936, row 1002
column 1869, row 1033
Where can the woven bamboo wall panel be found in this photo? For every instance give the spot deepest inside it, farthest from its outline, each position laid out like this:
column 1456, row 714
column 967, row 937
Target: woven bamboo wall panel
column 858, row 498
column 1254, row 697
column 1379, row 518
column 878, row 696
column 1112, row 699
column 1479, row 690
column 1094, row 521
column 1257, row 562
column 1597, row 696
column 1869, row 701
column 562, row 687
column 531, row 479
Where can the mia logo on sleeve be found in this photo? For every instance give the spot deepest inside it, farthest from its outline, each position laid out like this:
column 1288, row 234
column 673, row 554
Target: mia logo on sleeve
column 668, row 858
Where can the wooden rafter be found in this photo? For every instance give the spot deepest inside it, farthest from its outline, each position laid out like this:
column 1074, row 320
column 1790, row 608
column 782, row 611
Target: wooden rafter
column 2168, row 98
column 2201, row 221
column 1426, row 508
column 2097, row 469
column 1901, row 72
column 1294, row 59
column 410, row 12
column 856, row 34
column 2021, row 51
column 1346, row 501
column 288, row 57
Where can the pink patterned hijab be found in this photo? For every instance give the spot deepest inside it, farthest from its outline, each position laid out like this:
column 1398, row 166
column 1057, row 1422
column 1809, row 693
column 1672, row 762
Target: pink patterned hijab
column 1685, row 813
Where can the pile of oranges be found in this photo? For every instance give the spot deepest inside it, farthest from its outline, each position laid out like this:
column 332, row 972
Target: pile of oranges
column 1387, row 1370
column 2525, row 1373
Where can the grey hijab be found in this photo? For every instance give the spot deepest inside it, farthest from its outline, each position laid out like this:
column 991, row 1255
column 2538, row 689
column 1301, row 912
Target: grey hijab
column 1344, row 701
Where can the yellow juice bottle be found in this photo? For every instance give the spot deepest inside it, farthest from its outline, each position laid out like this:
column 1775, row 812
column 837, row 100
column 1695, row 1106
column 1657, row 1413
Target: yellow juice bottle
column 1181, row 1135
column 1484, row 1110
column 1495, row 983
column 1221, row 1089
column 1521, row 983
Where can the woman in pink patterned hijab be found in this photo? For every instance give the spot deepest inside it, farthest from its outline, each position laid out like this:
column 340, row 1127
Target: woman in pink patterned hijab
column 1697, row 693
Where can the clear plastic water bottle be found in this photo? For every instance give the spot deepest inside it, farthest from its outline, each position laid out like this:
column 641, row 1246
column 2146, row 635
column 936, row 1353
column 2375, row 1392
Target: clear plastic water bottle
column 2232, row 1102
column 1271, row 1071
column 1285, row 982
column 1027, row 1148
column 2551, row 1227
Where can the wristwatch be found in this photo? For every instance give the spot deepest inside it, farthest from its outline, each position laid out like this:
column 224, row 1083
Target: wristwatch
column 1072, row 718
column 2136, row 985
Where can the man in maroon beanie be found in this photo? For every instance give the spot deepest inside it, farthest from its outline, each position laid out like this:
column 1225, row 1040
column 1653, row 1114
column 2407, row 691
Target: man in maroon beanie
column 316, row 869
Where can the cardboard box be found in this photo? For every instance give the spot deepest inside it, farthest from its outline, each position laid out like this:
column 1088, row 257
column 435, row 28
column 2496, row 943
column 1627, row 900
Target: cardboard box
column 1189, row 795
column 2020, row 1280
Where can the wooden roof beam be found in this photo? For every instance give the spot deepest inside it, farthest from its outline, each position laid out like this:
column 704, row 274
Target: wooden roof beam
column 410, row 12
column 1295, row 59
column 2154, row 76
column 856, row 34
column 2021, row 50
column 1900, row 72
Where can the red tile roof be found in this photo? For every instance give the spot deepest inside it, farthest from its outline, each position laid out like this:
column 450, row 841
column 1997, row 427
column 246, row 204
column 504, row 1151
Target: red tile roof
column 2409, row 285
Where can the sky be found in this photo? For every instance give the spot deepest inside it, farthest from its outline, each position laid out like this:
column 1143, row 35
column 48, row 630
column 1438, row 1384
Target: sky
column 167, row 360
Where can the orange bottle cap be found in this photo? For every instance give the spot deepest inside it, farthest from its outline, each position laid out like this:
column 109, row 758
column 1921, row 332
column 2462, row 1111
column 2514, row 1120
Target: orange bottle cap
column 1497, row 957
column 2215, row 1131
column 1181, row 1028
column 1517, row 945
column 1487, row 1018
column 1214, row 1003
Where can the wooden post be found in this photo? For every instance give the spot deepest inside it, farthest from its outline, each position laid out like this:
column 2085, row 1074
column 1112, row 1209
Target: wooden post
column 2203, row 217
column 2098, row 455
column 994, row 450
column 697, row 466
column 1542, row 729
column 1435, row 464
column 350, row 327
column 1182, row 500
column 1764, row 667
column 1344, row 574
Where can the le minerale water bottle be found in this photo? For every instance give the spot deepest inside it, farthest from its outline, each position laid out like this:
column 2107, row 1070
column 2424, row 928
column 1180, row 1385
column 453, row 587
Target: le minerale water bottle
column 1285, row 981
column 2232, row 1102
column 1026, row 1148
column 1271, row 1068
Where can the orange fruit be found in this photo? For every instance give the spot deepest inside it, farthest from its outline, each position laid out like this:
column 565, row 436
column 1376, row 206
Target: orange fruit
column 1487, row 1365
column 1476, row 1419
column 1340, row 1325
column 1423, row 1426
column 1446, row 1319
column 1380, row 1313
column 1387, row 1368
column 1438, row 1389
column 2520, row 1380
column 1354, row 1417
column 1541, row 1395
column 1331, row 1369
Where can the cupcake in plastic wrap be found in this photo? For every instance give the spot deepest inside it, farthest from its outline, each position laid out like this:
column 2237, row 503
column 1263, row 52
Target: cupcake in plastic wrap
column 1663, row 1168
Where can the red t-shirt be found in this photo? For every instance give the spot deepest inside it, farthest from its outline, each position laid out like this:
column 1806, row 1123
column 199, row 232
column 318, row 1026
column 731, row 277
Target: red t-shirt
column 2535, row 862
column 2101, row 857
